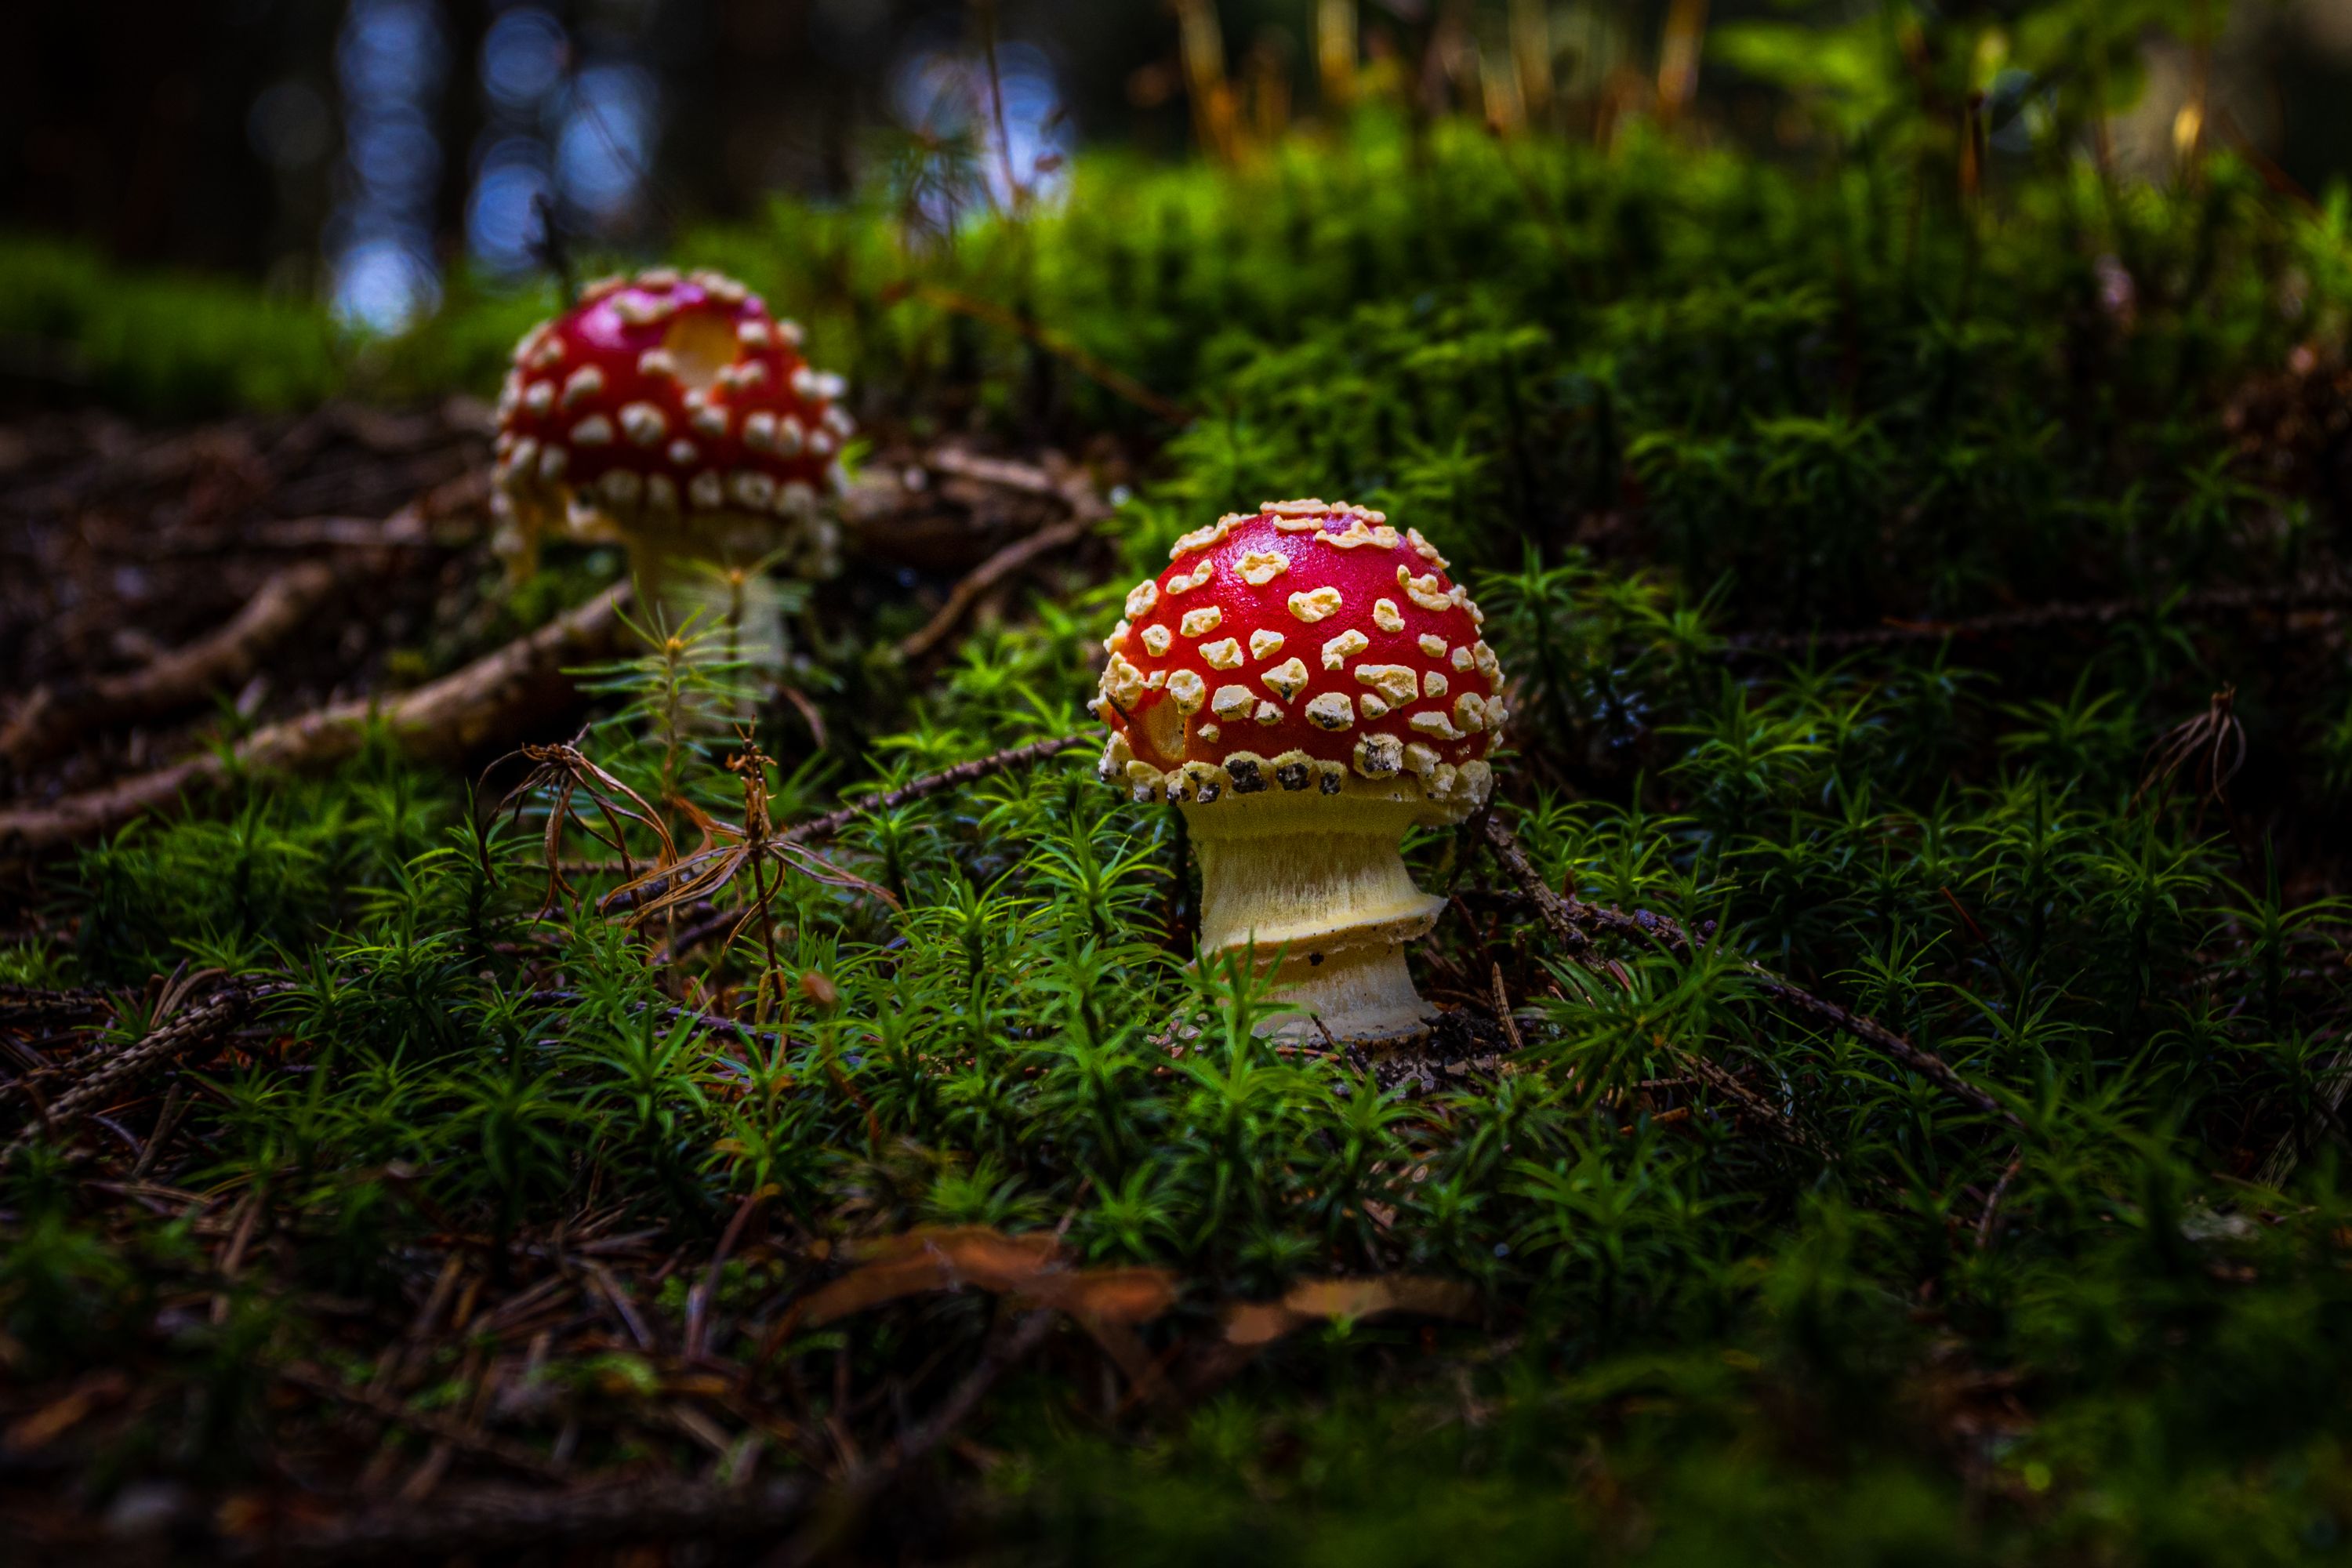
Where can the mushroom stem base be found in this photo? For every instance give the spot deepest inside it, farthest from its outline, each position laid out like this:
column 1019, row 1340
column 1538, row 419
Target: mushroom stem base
column 1362, row 997
column 1317, row 889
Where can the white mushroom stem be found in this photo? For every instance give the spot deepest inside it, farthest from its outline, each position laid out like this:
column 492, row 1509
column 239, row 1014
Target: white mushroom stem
column 1317, row 880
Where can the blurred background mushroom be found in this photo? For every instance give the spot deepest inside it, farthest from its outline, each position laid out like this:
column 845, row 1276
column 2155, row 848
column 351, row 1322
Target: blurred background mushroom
column 675, row 416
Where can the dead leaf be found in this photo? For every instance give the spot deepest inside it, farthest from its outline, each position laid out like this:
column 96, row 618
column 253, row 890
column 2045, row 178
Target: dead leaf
column 1117, row 1295
column 52, row 1421
column 1312, row 1300
column 1031, row 1267
column 1259, row 1322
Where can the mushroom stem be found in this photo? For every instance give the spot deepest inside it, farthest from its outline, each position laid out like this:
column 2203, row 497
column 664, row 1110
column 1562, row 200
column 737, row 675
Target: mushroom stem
column 1331, row 897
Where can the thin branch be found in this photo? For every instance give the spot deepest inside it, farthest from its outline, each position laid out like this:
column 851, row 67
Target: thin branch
column 1015, row 192
column 440, row 1428
column 497, row 1519
column 1502, row 1011
column 21, row 1004
column 833, row 1524
column 494, row 1521
column 1992, row 1203
column 701, row 1302
column 1073, row 490
column 202, row 1025
column 2328, row 594
column 1574, row 923
column 51, row 716
column 932, row 784
column 714, row 1022
column 687, row 938
column 2334, row 1081
column 167, row 1121
column 1012, row 558
column 959, row 1407
column 1771, row 1117
column 448, row 717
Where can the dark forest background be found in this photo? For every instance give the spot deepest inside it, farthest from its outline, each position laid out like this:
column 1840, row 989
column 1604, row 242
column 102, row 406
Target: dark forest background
column 366, row 152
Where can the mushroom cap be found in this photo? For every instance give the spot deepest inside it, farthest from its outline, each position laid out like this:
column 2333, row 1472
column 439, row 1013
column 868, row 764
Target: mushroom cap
column 668, row 406
column 1308, row 646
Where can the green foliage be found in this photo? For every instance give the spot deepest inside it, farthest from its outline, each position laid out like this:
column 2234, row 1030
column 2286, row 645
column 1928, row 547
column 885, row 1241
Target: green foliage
column 159, row 344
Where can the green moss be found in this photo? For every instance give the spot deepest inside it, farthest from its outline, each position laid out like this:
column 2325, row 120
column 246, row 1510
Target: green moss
column 159, row 343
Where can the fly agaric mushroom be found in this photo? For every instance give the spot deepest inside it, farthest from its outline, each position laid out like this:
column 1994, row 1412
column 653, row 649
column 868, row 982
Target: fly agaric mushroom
column 1306, row 684
column 674, row 414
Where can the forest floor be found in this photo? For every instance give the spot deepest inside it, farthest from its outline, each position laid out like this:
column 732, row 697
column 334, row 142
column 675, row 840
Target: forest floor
column 1887, row 1096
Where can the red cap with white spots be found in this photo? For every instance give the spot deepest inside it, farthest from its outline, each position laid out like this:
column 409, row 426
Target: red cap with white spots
column 1306, row 648
column 669, row 404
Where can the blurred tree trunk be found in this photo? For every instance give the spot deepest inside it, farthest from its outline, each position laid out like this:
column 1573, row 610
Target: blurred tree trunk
column 465, row 24
column 125, row 124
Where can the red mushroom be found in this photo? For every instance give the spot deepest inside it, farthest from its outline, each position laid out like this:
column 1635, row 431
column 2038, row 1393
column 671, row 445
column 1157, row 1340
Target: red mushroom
column 674, row 414
column 1306, row 683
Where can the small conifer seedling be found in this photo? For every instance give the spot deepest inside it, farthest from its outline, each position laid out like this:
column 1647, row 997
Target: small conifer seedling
column 1306, row 684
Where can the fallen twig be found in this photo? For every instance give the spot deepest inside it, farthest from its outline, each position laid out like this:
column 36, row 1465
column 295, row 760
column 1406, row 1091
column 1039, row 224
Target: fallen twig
column 22, row 1005
column 202, row 1023
column 52, row 715
column 2310, row 595
column 711, row 1021
column 932, row 784
column 494, row 1520
column 701, row 1298
column 1993, row 1202
column 1502, row 1010
column 689, row 937
column 1772, row 1118
column 2334, row 1081
column 1574, row 923
column 428, row 520
column 1012, row 474
column 439, row 516
column 441, row 1428
column 1073, row 489
column 448, row 717
column 840, row 1513
column 1012, row 558
column 167, row 1121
